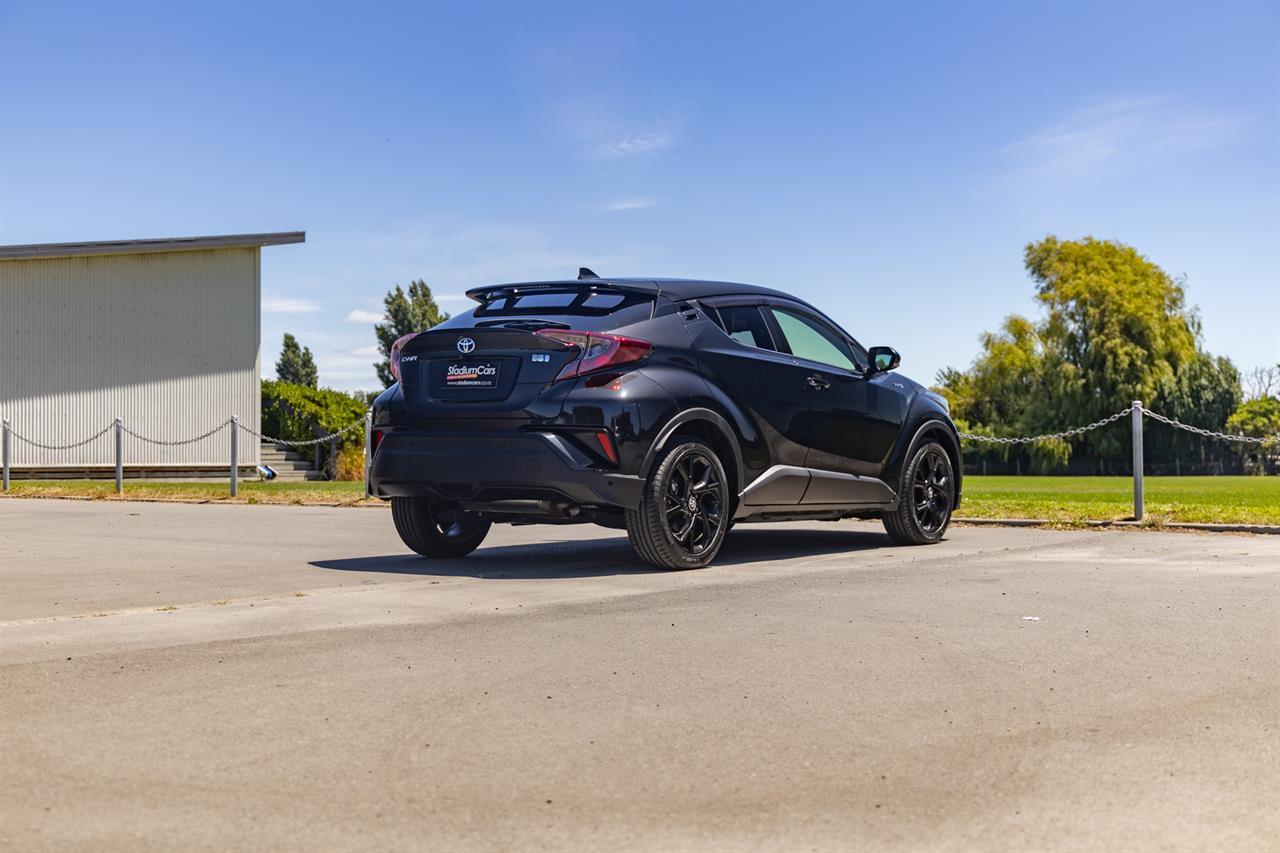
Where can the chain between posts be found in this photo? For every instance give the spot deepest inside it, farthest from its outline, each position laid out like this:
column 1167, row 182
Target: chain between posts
column 1208, row 433
column 99, row 434
column 181, row 441
column 1034, row 438
column 177, row 442
column 1173, row 422
column 346, row 429
column 991, row 439
column 120, row 429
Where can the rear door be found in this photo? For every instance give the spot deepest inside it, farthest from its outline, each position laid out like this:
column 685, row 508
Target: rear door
column 855, row 419
column 741, row 356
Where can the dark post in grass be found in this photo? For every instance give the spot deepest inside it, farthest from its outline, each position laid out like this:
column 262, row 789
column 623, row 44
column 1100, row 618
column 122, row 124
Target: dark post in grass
column 1138, row 501
column 119, row 456
column 4, row 451
column 235, row 471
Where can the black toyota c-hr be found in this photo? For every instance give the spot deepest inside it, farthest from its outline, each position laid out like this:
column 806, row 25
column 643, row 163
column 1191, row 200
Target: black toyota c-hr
column 672, row 409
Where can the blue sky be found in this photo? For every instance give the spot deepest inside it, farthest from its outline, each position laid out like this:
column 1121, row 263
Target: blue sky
column 886, row 162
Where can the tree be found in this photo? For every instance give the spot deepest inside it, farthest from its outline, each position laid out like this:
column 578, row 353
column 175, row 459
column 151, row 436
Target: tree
column 1115, row 328
column 1262, row 382
column 1204, row 393
column 296, row 364
column 1116, row 323
column 1259, row 418
column 405, row 314
column 1005, row 393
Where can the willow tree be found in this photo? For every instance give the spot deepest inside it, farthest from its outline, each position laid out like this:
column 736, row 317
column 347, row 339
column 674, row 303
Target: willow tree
column 1115, row 328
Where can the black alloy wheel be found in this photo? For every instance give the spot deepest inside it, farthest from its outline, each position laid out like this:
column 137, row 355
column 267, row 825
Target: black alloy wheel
column 693, row 503
column 926, row 496
column 683, row 516
column 931, row 491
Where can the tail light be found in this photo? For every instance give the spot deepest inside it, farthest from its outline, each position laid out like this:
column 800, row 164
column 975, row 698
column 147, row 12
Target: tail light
column 597, row 350
column 395, row 353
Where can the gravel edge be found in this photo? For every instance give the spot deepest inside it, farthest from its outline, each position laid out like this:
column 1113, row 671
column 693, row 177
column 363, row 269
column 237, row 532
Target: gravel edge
column 1267, row 529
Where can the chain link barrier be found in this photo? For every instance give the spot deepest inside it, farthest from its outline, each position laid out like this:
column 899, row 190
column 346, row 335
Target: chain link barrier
column 178, row 442
column 309, row 442
column 106, row 429
column 1034, row 438
column 182, row 441
column 121, row 430
column 990, row 439
column 1173, row 422
column 1208, row 433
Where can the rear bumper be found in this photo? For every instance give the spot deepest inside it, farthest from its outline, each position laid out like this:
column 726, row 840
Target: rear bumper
column 494, row 467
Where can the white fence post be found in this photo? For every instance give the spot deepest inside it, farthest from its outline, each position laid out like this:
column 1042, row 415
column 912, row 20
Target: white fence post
column 235, row 464
column 1139, row 503
column 5, row 452
column 119, row 456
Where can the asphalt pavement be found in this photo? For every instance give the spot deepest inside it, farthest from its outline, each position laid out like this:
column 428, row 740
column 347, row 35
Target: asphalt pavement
column 206, row 677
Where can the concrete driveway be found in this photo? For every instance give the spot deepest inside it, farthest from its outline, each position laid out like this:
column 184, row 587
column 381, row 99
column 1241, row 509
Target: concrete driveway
column 251, row 677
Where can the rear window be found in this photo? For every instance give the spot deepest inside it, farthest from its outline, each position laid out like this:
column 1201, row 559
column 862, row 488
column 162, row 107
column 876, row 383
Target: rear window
column 588, row 310
column 745, row 324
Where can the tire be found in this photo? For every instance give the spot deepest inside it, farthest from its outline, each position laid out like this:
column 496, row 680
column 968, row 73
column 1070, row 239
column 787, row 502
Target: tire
column 665, row 532
column 437, row 529
column 926, row 496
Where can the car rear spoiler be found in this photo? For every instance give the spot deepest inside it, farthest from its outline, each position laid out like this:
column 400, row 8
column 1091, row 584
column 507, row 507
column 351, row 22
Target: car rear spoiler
column 491, row 292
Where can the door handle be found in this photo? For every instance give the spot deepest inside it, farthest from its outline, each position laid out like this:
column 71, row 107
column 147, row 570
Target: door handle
column 817, row 383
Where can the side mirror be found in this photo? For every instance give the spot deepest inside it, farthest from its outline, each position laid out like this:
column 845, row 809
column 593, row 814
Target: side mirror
column 884, row 359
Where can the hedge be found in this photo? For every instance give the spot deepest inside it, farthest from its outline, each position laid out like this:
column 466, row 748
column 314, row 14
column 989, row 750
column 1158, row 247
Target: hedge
column 295, row 412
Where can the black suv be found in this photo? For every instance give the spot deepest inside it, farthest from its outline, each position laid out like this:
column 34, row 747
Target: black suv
column 672, row 409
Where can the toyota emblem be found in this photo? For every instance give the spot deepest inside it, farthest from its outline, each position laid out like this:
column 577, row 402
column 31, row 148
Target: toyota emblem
column 466, row 345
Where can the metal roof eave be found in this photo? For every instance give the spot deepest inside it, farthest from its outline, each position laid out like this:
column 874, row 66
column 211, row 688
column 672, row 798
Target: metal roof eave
column 162, row 244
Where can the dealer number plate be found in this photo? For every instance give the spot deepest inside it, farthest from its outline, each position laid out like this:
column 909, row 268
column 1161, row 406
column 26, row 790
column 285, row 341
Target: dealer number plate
column 481, row 374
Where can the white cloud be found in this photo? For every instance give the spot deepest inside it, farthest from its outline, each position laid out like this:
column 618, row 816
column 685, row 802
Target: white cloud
column 634, row 145
column 600, row 127
column 1119, row 131
column 631, row 203
column 359, row 315
column 370, row 351
column 288, row 306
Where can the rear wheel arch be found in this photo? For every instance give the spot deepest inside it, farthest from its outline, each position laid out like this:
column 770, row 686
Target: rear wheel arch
column 711, row 428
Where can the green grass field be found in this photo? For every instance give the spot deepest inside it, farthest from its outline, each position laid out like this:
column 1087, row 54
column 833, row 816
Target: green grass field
column 252, row 491
column 1239, row 500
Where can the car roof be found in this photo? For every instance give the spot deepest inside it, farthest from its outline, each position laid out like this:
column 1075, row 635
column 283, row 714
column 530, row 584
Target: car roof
column 672, row 288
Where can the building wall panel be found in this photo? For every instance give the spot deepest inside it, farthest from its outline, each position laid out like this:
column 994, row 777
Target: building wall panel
column 167, row 341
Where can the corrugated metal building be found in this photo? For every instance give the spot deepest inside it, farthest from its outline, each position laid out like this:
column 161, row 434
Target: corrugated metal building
column 162, row 333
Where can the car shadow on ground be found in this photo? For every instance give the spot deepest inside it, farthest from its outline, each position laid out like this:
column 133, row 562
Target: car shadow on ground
column 582, row 558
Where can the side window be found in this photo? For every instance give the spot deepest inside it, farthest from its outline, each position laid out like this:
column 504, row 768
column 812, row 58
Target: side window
column 812, row 340
column 746, row 325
